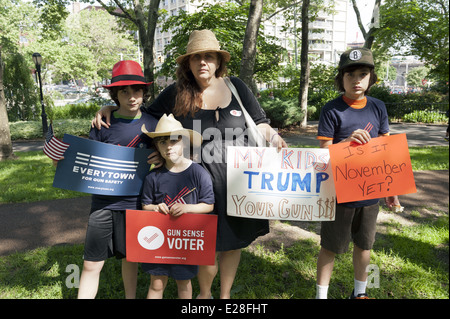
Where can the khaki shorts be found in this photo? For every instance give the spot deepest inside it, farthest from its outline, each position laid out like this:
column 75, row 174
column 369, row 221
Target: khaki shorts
column 357, row 223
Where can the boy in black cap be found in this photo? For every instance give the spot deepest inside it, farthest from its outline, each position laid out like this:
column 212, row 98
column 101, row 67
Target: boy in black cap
column 352, row 117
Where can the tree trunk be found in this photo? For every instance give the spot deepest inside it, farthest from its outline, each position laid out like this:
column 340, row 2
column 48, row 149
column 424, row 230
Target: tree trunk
column 249, row 47
column 146, row 26
column 304, row 64
column 147, row 30
column 6, row 151
column 368, row 35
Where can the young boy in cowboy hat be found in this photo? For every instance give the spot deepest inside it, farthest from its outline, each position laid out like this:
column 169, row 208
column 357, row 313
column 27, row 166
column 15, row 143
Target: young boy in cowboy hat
column 180, row 186
column 352, row 117
column 105, row 235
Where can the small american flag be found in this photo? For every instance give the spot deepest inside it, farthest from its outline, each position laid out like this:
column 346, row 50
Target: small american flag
column 179, row 198
column 53, row 147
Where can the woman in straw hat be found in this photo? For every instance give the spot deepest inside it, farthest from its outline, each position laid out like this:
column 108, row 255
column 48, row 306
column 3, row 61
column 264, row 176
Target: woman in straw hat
column 202, row 101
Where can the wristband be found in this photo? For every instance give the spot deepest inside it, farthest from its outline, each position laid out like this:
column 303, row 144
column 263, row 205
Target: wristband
column 271, row 139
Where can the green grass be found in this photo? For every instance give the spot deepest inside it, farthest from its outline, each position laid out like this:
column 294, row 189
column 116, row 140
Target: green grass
column 429, row 158
column 26, row 130
column 29, row 178
column 412, row 262
column 413, row 259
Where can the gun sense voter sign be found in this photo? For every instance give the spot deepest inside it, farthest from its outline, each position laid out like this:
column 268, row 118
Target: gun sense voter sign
column 152, row 237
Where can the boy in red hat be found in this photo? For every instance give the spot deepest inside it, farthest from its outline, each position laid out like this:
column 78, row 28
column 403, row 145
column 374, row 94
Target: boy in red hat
column 105, row 235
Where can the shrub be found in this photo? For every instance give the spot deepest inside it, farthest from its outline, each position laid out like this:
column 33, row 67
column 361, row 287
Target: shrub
column 412, row 107
column 74, row 111
column 33, row 129
column 317, row 99
column 282, row 112
column 425, row 117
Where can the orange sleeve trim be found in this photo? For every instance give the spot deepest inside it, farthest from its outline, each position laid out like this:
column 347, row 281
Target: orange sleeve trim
column 324, row 138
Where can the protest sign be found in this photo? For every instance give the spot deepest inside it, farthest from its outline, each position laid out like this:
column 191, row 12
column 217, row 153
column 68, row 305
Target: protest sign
column 293, row 184
column 100, row 168
column 376, row 169
column 153, row 237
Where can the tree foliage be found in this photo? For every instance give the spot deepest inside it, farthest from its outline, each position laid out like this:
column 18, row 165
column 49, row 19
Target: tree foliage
column 96, row 34
column 412, row 27
column 228, row 22
column 138, row 16
column 418, row 27
column 17, row 18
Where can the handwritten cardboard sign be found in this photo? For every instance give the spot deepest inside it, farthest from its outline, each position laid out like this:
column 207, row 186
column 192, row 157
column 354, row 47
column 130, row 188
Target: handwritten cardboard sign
column 377, row 169
column 100, row 168
column 293, row 184
column 152, row 237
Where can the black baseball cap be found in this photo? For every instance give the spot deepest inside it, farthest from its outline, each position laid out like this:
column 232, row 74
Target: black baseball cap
column 358, row 56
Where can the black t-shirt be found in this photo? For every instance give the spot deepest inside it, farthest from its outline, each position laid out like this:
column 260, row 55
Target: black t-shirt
column 229, row 129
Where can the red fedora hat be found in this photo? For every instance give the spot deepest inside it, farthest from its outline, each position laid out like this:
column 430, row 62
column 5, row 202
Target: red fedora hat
column 127, row 73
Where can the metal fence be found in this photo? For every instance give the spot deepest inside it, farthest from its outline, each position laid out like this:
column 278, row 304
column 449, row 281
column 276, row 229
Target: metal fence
column 397, row 110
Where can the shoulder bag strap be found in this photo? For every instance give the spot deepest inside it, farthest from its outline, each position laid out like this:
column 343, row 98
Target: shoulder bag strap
column 253, row 131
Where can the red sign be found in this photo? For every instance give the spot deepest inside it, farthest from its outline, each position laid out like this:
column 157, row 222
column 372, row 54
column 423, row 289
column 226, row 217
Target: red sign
column 152, row 237
column 376, row 169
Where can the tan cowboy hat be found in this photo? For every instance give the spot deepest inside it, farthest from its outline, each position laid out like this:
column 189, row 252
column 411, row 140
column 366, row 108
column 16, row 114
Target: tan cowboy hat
column 203, row 41
column 169, row 126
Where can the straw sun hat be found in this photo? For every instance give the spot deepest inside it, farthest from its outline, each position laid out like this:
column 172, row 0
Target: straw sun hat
column 203, row 41
column 169, row 126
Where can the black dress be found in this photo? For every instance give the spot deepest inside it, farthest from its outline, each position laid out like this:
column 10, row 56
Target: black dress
column 232, row 232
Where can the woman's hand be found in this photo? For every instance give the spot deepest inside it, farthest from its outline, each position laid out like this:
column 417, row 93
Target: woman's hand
column 272, row 136
column 278, row 142
column 103, row 112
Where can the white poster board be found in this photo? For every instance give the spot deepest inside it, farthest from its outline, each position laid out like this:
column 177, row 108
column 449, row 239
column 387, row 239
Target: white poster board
column 293, row 184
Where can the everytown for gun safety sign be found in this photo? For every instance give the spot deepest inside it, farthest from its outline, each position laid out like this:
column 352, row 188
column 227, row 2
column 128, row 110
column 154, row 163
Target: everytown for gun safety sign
column 100, row 168
column 293, row 184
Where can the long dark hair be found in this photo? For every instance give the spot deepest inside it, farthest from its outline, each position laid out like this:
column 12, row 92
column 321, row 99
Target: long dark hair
column 189, row 95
